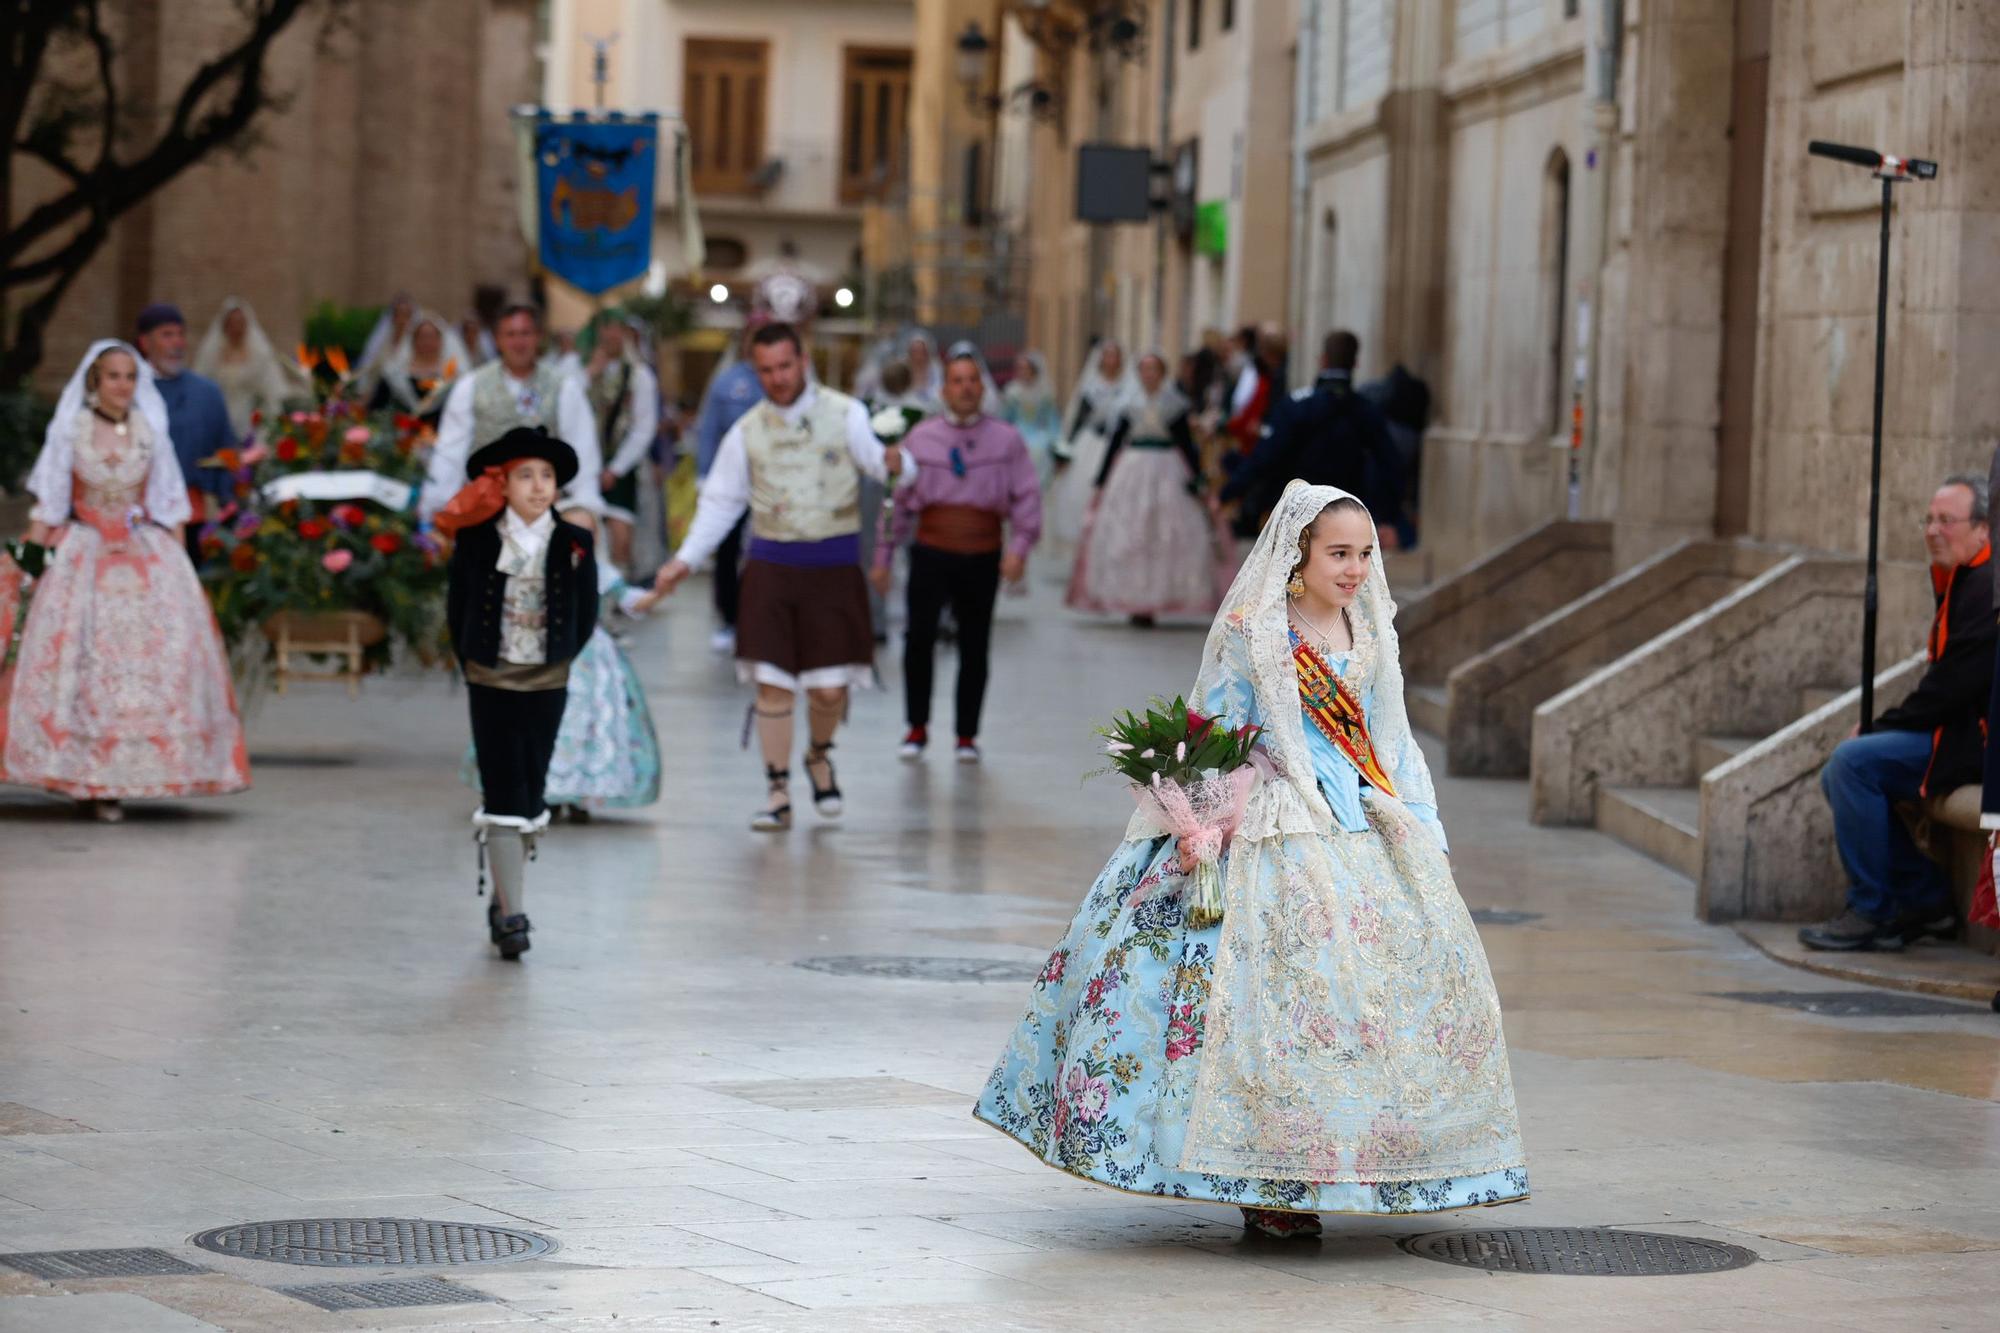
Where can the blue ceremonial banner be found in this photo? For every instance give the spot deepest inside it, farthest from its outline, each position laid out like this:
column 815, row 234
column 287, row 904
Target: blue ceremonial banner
column 594, row 197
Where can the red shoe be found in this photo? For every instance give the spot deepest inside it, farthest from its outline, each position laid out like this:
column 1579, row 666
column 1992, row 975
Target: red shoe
column 968, row 750
column 1280, row 1225
column 914, row 742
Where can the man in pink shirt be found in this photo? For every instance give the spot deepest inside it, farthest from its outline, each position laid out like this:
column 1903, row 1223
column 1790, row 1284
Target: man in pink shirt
column 970, row 517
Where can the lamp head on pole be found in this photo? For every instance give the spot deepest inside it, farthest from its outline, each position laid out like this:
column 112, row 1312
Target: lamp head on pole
column 973, row 48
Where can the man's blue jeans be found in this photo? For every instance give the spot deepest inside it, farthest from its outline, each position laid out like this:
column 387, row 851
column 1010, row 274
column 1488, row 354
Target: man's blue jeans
column 1888, row 877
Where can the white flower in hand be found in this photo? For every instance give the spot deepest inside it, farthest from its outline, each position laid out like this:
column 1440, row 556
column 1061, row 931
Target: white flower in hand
column 889, row 425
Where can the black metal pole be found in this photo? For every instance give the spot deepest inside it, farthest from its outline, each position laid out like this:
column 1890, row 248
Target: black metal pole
column 1869, row 601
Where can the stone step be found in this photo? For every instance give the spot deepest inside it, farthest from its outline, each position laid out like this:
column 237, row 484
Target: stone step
column 1662, row 822
column 1427, row 707
column 1815, row 697
column 1715, row 751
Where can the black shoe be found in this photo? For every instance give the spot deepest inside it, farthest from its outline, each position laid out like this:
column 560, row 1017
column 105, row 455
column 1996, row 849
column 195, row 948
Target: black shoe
column 513, row 937
column 493, row 919
column 1920, row 926
column 578, row 815
column 1851, row 932
column 777, row 818
column 826, row 799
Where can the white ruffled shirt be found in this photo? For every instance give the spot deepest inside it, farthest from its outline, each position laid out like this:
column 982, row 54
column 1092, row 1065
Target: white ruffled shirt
column 524, row 616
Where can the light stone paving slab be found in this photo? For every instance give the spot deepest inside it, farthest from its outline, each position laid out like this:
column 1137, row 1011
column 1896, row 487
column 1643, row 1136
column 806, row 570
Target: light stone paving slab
column 715, row 1136
column 94, row 1312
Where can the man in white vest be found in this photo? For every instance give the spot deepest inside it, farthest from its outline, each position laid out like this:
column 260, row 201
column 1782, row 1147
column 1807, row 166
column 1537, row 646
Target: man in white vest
column 516, row 390
column 794, row 462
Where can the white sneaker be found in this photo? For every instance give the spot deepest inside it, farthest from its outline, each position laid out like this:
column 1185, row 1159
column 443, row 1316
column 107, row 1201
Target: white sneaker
column 967, row 751
column 912, row 748
column 723, row 641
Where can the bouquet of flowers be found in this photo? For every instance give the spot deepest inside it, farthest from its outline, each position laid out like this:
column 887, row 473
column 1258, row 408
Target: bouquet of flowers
column 1192, row 778
column 891, row 424
column 263, row 555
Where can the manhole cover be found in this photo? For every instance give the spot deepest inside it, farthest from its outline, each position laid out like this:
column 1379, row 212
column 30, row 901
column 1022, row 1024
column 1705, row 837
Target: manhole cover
column 1503, row 916
column 1852, row 1003
column 1579, row 1252
column 925, row 969
column 396, row 1295
column 345, row 1242
column 58, row 1264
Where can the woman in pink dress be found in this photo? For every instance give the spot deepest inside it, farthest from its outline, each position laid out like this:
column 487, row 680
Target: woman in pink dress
column 1149, row 541
column 120, row 688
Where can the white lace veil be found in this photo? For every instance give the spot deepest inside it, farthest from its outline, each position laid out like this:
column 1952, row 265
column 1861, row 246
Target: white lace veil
column 1169, row 402
column 1106, row 395
column 1043, row 391
column 280, row 376
column 51, row 480
column 456, row 362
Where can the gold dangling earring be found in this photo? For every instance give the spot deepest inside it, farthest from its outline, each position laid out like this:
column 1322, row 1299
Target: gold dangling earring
column 1297, row 586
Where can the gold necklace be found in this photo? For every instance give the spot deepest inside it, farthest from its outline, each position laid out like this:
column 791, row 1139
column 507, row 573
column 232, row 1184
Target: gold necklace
column 1325, row 639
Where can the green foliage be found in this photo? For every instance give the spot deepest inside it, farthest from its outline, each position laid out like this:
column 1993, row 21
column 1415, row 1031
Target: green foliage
column 24, row 418
column 344, row 326
column 1174, row 743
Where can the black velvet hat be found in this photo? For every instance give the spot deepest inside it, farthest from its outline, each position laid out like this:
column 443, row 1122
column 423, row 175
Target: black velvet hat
column 525, row 442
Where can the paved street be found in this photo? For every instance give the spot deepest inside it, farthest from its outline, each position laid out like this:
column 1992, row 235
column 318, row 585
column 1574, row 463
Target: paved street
column 283, row 1006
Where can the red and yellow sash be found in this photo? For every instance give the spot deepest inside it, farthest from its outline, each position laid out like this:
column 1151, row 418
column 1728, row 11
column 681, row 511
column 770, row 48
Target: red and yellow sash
column 1337, row 714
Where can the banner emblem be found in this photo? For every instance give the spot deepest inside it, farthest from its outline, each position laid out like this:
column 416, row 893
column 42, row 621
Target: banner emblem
column 594, row 198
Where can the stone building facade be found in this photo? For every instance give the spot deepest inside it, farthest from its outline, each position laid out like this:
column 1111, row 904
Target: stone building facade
column 799, row 116
column 389, row 166
column 1568, row 213
column 1207, row 87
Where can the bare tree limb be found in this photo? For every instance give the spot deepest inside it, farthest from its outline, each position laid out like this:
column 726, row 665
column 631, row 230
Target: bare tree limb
column 216, row 107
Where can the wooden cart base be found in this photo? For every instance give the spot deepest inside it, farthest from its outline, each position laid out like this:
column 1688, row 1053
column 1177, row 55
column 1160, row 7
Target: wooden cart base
column 343, row 635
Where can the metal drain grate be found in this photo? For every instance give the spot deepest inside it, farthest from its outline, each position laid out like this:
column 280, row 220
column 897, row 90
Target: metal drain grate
column 404, row 1291
column 351, row 1242
column 1580, row 1252
column 1503, row 916
column 54, row 1265
column 925, row 969
column 1852, row 1003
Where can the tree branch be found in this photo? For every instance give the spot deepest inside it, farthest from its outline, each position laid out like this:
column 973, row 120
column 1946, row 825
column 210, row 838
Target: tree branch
column 94, row 26
column 111, row 188
column 52, row 156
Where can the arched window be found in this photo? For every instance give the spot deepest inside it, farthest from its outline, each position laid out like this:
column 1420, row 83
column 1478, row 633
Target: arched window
column 1555, row 278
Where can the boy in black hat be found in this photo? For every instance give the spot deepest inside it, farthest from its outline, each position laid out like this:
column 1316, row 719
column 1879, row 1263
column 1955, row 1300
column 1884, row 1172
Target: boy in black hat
column 522, row 603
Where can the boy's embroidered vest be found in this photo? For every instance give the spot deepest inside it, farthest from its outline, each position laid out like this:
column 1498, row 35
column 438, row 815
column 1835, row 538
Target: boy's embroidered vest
column 804, row 486
column 496, row 403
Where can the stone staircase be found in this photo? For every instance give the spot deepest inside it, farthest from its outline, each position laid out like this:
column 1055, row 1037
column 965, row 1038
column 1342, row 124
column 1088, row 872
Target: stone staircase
column 1664, row 822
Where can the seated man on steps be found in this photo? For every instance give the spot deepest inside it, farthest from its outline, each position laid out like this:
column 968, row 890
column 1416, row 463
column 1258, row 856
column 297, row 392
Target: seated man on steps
column 1930, row 744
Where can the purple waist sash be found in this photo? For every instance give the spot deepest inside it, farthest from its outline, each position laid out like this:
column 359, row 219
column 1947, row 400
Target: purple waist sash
column 830, row 553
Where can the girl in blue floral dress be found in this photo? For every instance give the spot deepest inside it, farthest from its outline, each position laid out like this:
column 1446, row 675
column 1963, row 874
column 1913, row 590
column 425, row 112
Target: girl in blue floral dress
column 1334, row 1044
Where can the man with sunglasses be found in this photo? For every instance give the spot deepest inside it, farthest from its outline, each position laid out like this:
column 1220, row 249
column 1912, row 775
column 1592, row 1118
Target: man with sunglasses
column 1928, row 745
column 970, row 516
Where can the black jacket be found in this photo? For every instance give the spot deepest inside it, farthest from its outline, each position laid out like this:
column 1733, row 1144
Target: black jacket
column 1950, row 701
column 1179, row 432
column 1329, row 436
column 473, row 601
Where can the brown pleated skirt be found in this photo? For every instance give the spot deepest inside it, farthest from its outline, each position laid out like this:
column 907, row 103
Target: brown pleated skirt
column 801, row 619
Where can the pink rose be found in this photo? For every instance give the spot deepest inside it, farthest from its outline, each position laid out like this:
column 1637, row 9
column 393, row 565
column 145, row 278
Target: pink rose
column 337, row 560
column 358, row 435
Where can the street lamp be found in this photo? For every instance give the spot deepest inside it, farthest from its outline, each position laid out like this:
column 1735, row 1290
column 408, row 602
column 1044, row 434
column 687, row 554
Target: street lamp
column 719, row 293
column 844, row 297
column 973, row 49
column 1891, row 171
